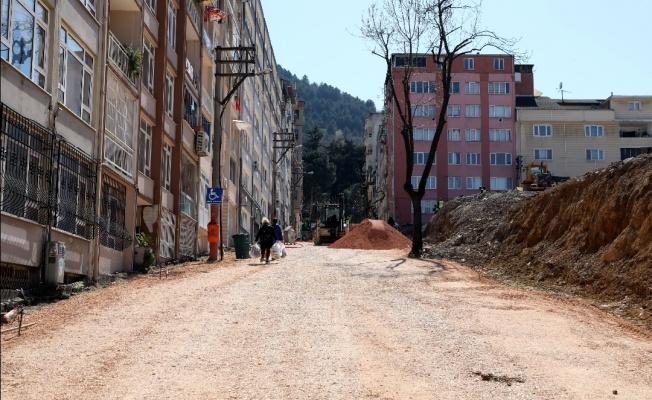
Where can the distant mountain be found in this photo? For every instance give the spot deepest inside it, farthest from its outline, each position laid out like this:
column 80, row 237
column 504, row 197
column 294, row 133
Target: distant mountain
column 336, row 112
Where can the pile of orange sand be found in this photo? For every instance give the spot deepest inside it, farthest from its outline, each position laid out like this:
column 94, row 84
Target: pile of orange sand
column 373, row 234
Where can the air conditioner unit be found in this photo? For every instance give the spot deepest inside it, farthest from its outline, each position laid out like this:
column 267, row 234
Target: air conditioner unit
column 55, row 262
column 201, row 146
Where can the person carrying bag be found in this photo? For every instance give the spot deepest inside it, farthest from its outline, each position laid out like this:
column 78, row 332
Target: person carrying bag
column 265, row 238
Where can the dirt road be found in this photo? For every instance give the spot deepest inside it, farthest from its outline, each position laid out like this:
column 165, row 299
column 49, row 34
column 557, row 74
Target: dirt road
column 324, row 324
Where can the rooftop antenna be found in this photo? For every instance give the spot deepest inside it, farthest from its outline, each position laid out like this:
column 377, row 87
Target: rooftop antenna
column 561, row 85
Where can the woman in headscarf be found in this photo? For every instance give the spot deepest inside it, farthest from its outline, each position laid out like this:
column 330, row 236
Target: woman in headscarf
column 265, row 238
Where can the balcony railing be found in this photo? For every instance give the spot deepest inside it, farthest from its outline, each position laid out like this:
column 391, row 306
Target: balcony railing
column 118, row 54
column 194, row 14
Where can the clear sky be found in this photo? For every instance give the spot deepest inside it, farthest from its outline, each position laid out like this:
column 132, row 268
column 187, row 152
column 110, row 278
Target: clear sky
column 595, row 47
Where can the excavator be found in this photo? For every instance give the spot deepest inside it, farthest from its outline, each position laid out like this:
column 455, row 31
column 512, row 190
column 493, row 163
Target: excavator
column 538, row 177
column 331, row 224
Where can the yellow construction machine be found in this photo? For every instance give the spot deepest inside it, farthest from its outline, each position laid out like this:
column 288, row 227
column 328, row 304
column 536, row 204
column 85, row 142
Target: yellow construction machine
column 538, row 177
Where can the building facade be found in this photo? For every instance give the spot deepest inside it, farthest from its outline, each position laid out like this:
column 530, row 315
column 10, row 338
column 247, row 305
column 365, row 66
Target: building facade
column 575, row 136
column 477, row 147
column 375, row 142
column 109, row 115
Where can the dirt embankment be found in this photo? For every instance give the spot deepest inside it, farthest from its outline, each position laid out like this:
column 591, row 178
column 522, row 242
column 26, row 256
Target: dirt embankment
column 590, row 237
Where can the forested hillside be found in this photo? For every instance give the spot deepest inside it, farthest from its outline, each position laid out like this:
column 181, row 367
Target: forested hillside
column 336, row 112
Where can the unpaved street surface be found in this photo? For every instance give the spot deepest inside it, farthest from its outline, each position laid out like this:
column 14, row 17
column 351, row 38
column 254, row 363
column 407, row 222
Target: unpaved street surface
column 324, row 324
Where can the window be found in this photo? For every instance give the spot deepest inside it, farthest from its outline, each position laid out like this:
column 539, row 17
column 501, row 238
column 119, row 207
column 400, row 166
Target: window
column 169, row 93
column 424, row 134
column 422, row 87
column 120, row 124
column 431, row 182
column 634, row 106
column 472, row 135
column 455, row 87
column 500, row 111
column 472, row 158
column 499, row 183
column 24, row 37
column 500, row 158
column 594, row 154
column 542, row 130
column 454, row 182
column 627, row 152
column 172, row 25
column 113, row 231
column 232, row 170
column 543, row 154
column 167, row 165
column 148, row 66
column 472, row 88
column 498, row 87
column 472, row 111
column 593, row 130
column 414, row 61
column 427, row 206
column 454, row 110
column 454, row 158
column 145, row 149
column 152, row 5
column 468, row 63
column 76, row 192
column 500, row 135
column 90, row 4
column 25, row 157
column 499, row 63
column 454, row 135
column 473, row 182
column 423, row 110
column 75, row 76
column 421, row 157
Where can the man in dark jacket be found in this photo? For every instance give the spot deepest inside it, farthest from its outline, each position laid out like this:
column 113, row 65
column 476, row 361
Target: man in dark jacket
column 277, row 230
column 266, row 238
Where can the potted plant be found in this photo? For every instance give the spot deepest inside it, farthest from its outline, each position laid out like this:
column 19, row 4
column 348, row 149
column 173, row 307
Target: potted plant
column 142, row 248
column 135, row 60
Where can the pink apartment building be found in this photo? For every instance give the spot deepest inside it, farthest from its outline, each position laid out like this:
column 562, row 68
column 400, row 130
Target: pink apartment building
column 477, row 147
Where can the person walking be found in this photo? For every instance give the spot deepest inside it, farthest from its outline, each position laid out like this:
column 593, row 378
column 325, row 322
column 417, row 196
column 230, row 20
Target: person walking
column 265, row 238
column 277, row 230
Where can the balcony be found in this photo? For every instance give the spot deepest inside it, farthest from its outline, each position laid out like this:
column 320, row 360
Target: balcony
column 194, row 15
column 635, row 133
column 119, row 55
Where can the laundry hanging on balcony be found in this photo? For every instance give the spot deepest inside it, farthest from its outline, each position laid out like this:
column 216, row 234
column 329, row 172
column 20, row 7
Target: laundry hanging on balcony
column 214, row 14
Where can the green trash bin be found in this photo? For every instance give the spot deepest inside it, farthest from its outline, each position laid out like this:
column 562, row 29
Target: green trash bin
column 241, row 242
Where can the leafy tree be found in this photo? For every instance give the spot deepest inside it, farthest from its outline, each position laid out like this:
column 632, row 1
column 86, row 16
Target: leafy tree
column 443, row 30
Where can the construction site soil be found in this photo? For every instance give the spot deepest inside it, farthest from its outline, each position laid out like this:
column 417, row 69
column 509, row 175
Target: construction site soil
column 588, row 238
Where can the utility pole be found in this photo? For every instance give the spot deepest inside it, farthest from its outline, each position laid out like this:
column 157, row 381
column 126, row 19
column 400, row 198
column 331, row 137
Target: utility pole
column 241, row 62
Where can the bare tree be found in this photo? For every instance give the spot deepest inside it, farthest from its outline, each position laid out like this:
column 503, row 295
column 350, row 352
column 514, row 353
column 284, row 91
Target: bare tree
column 443, row 30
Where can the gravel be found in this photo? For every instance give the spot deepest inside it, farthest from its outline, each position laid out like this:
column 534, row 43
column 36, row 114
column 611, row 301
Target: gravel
column 324, row 324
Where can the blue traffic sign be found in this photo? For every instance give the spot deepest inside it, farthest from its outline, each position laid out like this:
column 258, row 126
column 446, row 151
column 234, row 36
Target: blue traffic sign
column 213, row 195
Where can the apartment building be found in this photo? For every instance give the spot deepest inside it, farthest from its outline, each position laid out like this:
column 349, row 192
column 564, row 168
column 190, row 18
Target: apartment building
column 575, row 136
column 375, row 142
column 107, row 129
column 477, row 148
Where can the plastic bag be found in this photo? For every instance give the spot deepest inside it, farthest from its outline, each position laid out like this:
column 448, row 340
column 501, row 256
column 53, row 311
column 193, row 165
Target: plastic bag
column 284, row 253
column 255, row 250
column 277, row 250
